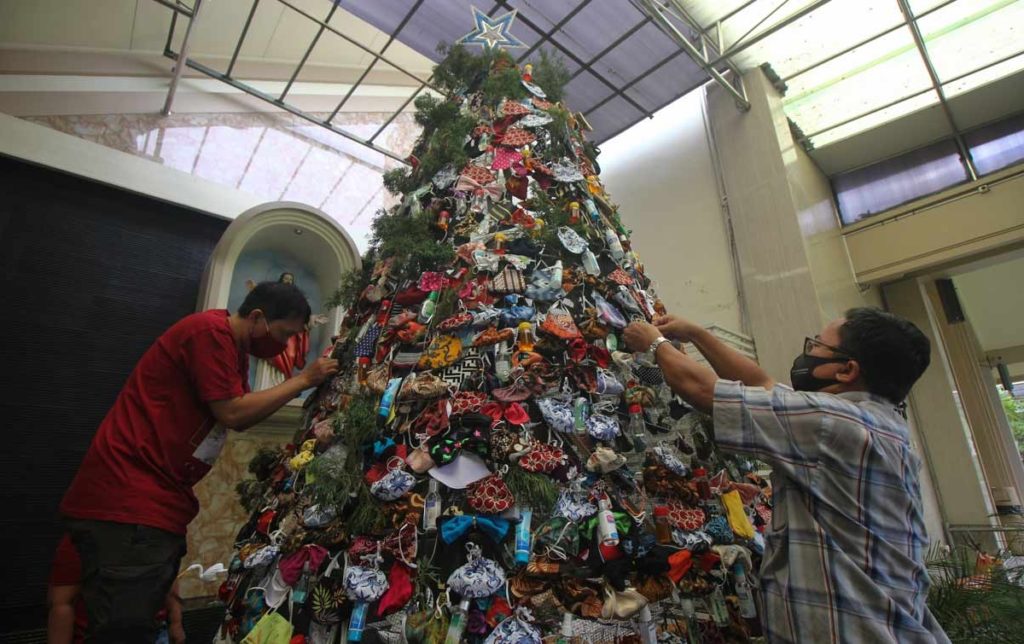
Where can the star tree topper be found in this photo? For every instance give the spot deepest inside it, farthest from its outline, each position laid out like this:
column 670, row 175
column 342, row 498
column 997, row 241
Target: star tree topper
column 492, row 32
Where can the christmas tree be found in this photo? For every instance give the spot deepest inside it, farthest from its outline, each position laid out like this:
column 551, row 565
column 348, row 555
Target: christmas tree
column 490, row 465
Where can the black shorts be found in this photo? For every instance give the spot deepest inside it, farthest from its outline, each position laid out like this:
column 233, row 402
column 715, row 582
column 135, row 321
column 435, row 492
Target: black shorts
column 127, row 571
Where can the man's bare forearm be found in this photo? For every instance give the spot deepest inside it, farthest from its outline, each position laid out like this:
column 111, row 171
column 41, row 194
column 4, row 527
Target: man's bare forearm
column 729, row 363
column 248, row 410
column 687, row 378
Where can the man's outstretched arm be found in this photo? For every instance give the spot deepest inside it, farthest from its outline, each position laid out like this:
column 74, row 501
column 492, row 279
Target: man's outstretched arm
column 249, row 409
column 726, row 361
column 687, row 378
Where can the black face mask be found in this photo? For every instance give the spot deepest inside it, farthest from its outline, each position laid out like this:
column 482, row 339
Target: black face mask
column 801, row 375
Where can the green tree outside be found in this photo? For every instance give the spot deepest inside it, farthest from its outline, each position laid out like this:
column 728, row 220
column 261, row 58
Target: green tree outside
column 1015, row 413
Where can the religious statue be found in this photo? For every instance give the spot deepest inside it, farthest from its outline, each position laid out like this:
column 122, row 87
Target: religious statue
column 284, row 364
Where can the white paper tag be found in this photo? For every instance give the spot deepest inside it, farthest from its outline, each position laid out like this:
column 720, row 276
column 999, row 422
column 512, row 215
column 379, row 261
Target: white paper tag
column 210, row 448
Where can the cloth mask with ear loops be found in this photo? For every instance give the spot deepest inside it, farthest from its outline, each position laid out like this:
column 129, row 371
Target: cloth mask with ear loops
column 478, row 578
column 571, row 240
column 546, row 284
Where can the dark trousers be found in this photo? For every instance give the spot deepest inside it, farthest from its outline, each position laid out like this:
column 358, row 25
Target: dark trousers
column 127, row 571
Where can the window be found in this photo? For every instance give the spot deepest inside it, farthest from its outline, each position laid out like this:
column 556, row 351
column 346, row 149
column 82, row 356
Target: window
column 875, row 188
column 997, row 146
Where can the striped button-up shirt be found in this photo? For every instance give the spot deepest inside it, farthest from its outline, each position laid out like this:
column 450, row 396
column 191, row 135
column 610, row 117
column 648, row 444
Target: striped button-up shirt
column 843, row 559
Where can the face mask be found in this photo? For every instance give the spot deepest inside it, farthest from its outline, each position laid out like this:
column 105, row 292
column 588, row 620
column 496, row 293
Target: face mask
column 266, row 347
column 801, row 375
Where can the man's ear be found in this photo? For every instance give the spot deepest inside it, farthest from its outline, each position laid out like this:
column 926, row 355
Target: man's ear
column 848, row 372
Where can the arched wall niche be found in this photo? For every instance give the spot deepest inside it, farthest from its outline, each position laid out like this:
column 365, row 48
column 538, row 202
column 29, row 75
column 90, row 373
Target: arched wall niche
column 280, row 237
column 325, row 251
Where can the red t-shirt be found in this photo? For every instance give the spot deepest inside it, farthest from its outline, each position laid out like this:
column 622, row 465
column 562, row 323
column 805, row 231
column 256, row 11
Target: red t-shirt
column 160, row 438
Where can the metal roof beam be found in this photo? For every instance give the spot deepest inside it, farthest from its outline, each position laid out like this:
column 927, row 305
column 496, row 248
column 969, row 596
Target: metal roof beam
column 561, row 23
column 179, row 68
column 911, row 21
column 657, row 12
column 615, row 43
column 358, row 44
column 252, row 91
column 737, row 47
column 907, row 97
column 576, row 59
column 241, row 38
column 633, row 82
column 391, row 38
column 309, row 50
column 867, row 40
column 178, row 7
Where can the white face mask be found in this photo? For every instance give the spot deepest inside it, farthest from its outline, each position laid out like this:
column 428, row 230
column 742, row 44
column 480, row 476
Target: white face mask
column 462, row 471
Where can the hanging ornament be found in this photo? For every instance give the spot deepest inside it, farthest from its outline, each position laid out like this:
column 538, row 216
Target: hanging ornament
column 492, row 33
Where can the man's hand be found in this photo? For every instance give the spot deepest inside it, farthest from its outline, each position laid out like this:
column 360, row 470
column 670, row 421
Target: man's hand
column 640, row 335
column 674, row 327
column 319, row 370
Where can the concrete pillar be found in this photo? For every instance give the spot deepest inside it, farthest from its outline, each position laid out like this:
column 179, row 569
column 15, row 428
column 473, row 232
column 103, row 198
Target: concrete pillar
column 781, row 303
column 976, row 388
column 941, row 433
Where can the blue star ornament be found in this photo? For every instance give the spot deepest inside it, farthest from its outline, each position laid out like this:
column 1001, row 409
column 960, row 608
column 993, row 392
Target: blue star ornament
column 490, row 33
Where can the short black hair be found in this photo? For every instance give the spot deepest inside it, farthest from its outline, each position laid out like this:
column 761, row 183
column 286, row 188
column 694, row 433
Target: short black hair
column 278, row 301
column 891, row 351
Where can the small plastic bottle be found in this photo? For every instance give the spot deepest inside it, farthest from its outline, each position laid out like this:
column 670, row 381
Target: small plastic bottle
column 692, row 627
column 363, row 365
column 524, row 337
column 612, row 342
column 614, row 245
column 357, row 622
column 387, row 401
column 502, row 362
column 431, row 507
column 301, row 589
column 648, row 629
column 580, row 413
column 637, row 428
column 700, row 477
column 662, row 527
column 428, row 308
column 743, row 593
column 607, row 530
column 718, row 607
column 565, row 636
column 574, row 212
column 523, row 537
column 458, row 623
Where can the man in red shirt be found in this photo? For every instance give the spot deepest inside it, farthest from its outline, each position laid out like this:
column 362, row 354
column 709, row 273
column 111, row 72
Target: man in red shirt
column 128, row 507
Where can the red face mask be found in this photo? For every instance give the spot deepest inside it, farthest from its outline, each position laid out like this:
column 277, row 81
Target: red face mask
column 266, row 347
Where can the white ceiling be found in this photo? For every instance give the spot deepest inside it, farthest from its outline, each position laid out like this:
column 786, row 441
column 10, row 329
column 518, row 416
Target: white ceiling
column 277, row 33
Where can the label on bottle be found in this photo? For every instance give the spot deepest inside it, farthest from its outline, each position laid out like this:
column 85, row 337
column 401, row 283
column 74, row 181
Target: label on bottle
column 609, row 532
column 357, row 622
column 431, row 512
column 523, row 536
column 579, row 414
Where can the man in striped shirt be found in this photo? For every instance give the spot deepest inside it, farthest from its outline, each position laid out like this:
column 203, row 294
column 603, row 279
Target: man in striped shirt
column 844, row 553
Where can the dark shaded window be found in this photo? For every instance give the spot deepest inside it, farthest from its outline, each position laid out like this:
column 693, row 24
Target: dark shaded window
column 875, row 188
